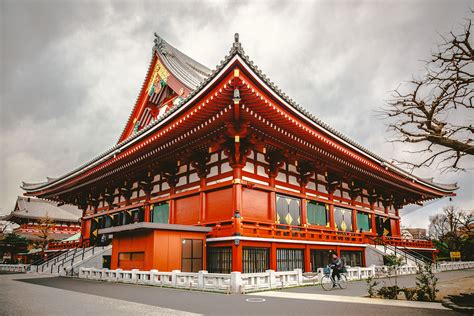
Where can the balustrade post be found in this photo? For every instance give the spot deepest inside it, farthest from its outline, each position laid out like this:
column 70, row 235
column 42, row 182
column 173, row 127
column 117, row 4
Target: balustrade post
column 174, row 277
column 271, row 278
column 299, row 276
column 153, row 274
column 134, row 275
column 117, row 275
column 235, row 282
column 201, row 279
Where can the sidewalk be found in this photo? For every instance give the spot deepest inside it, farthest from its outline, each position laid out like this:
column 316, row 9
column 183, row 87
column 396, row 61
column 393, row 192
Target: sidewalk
column 449, row 282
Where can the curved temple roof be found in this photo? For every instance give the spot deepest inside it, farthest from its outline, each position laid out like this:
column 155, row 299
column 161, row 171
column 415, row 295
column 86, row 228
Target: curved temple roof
column 32, row 208
column 187, row 70
column 197, row 77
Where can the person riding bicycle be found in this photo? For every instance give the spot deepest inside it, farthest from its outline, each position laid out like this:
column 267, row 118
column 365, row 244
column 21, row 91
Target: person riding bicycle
column 337, row 267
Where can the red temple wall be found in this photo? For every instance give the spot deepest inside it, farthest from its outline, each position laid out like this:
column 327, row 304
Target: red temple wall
column 256, row 204
column 187, row 210
column 218, row 205
column 138, row 242
column 161, row 249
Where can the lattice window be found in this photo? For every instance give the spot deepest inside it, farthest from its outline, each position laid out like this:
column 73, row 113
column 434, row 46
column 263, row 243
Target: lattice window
column 219, row 259
column 255, row 260
column 290, row 259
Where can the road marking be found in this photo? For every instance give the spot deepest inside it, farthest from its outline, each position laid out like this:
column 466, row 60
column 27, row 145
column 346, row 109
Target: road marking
column 255, row 300
column 350, row 299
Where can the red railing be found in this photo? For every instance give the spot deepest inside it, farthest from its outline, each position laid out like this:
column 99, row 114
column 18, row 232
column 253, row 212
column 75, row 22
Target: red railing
column 62, row 245
column 251, row 228
column 398, row 242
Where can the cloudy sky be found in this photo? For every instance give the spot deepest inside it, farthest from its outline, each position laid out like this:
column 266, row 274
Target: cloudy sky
column 71, row 70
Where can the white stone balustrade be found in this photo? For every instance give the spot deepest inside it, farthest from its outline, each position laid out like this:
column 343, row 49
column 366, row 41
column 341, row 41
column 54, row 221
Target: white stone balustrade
column 237, row 282
column 14, row 267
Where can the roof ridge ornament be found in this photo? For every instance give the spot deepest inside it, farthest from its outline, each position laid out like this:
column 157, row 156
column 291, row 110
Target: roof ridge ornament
column 160, row 45
column 237, row 46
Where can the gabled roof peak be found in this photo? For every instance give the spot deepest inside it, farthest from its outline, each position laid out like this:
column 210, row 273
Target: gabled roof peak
column 236, row 46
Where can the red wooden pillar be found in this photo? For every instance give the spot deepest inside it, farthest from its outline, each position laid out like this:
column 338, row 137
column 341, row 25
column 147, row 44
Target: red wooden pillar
column 397, row 224
column 397, row 228
column 236, row 257
column 202, row 201
column 332, row 224
column 272, row 201
column 83, row 227
column 237, row 199
column 147, row 213
column 172, row 219
column 354, row 217
column 273, row 256
column 373, row 223
column 307, row 259
column 204, row 255
column 304, row 210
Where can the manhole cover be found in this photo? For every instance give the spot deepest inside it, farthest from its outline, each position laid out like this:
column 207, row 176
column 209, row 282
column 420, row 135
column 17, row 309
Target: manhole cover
column 255, row 300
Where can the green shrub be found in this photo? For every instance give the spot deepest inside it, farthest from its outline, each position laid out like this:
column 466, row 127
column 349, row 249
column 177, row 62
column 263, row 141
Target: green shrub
column 371, row 284
column 390, row 292
column 426, row 283
column 410, row 293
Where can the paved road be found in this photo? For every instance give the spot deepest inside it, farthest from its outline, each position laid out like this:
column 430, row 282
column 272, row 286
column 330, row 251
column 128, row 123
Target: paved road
column 30, row 295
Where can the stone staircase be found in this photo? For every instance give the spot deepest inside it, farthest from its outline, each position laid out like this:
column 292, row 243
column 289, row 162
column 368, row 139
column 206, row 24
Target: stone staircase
column 409, row 256
column 68, row 262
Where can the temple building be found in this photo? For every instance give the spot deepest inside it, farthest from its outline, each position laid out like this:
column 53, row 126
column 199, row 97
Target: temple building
column 42, row 221
column 220, row 170
column 28, row 213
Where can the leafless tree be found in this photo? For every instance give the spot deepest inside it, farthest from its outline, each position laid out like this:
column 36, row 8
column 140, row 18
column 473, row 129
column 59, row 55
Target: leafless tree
column 45, row 228
column 436, row 111
column 452, row 226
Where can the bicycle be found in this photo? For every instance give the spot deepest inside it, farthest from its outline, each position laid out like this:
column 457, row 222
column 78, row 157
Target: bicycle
column 328, row 283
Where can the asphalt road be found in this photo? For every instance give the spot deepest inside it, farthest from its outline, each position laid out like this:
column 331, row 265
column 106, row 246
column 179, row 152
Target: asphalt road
column 30, row 295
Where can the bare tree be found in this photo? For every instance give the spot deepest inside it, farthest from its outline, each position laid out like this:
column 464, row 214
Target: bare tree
column 45, row 228
column 453, row 226
column 436, row 112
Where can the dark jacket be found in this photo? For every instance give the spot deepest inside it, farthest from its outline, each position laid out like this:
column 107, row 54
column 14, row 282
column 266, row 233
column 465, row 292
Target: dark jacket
column 337, row 263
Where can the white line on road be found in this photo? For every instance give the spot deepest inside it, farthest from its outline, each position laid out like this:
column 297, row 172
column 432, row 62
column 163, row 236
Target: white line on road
column 350, row 299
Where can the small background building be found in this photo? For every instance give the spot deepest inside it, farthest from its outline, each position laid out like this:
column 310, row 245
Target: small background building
column 31, row 215
column 416, row 233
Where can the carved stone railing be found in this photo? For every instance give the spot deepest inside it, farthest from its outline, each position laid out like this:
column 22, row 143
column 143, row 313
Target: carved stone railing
column 21, row 268
column 237, row 282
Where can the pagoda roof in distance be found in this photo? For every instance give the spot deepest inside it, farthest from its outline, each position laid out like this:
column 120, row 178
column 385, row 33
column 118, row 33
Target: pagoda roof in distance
column 34, row 208
column 194, row 74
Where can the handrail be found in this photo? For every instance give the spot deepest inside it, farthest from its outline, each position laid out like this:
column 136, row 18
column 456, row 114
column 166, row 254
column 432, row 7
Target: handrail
column 403, row 251
column 41, row 262
column 84, row 251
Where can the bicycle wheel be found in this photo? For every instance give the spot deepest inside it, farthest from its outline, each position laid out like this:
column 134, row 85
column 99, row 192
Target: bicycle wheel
column 343, row 282
column 326, row 283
